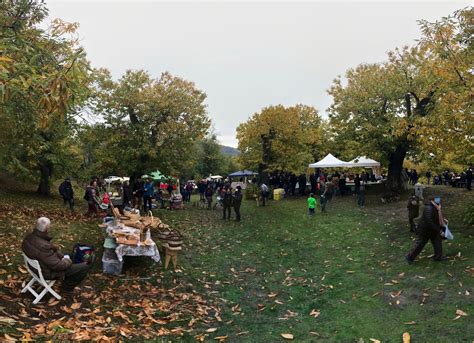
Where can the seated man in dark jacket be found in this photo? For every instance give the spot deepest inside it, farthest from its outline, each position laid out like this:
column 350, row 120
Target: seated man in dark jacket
column 54, row 265
column 429, row 229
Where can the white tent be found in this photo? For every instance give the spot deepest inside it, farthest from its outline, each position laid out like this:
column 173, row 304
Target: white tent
column 363, row 161
column 329, row 162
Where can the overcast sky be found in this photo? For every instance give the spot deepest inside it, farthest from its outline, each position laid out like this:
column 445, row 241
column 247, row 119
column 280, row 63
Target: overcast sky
column 247, row 55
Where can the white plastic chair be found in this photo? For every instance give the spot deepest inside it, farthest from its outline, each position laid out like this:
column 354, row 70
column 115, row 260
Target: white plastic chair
column 38, row 277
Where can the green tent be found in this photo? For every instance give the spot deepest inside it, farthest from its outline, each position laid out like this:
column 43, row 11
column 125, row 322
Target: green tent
column 157, row 176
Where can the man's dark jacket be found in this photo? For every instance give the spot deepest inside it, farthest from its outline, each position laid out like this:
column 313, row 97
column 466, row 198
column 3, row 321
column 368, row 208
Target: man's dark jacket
column 66, row 191
column 428, row 224
column 37, row 246
column 227, row 201
column 237, row 199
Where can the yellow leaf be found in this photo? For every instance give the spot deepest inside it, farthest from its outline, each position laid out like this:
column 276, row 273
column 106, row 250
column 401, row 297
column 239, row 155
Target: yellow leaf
column 461, row 313
column 287, row 336
column 406, row 337
column 211, row 330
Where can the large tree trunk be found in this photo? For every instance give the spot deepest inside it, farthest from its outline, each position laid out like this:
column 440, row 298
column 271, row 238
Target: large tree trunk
column 266, row 157
column 46, row 171
column 395, row 167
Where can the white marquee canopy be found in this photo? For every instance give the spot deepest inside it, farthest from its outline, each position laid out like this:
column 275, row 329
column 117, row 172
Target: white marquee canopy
column 332, row 162
column 363, row 161
column 329, row 162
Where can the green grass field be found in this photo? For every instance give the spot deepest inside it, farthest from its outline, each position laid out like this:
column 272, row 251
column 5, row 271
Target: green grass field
column 335, row 277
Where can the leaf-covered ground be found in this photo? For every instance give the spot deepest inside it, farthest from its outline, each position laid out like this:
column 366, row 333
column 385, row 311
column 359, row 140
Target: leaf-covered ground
column 335, row 277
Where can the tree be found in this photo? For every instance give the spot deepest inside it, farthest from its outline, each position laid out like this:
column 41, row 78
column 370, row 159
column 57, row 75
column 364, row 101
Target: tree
column 43, row 80
column 152, row 123
column 415, row 104
column 280, row 138
column 209, row 157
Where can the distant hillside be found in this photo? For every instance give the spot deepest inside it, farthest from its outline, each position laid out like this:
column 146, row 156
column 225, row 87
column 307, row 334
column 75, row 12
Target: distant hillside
column 228, row 150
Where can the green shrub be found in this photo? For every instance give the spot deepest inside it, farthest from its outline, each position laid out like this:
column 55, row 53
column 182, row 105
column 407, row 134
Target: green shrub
column 469, row 214
column 251, row 191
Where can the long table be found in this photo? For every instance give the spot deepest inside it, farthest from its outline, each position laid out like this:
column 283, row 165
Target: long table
column 132, row 250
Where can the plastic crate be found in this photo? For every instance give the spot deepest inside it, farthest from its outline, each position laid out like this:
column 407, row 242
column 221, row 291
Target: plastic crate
column 110, row 263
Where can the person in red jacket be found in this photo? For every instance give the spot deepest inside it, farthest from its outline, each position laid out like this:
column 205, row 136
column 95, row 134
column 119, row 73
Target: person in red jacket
column 54, row 265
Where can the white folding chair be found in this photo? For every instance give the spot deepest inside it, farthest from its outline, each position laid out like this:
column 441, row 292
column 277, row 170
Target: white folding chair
column 38, row 277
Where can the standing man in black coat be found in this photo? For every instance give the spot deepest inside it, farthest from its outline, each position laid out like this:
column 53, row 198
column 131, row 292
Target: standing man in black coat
column 413, row 207
column 430, row 228
column 314, row 181
column 227, row 203
column 356, row 184
column 302, row 184
column 237, row 201
column 126, row 193
column 469, row 178
column 293, row 182
column 66, row 191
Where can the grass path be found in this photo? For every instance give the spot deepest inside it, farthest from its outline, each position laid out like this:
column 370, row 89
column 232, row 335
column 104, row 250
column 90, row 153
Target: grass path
column 337, row 277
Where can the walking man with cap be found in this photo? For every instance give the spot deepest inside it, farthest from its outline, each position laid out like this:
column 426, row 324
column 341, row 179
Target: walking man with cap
column 430, row 228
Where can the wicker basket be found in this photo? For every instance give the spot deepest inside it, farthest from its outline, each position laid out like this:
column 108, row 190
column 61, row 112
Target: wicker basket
column 175, row 239
column 131, row 216
column 163, row 235
column 150, row 221
column 133, row 223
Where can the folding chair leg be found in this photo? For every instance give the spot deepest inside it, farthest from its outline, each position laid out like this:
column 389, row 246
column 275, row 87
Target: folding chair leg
column 28, row 286
column 52, row 291
column 47, row 289
column 40, row 296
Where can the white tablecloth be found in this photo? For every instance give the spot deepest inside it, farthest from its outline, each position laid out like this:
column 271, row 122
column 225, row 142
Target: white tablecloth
column 133, row 250
column 137, row 250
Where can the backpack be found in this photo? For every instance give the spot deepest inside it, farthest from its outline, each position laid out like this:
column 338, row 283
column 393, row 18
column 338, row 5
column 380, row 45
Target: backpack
column 86, row 195
column 83, row 253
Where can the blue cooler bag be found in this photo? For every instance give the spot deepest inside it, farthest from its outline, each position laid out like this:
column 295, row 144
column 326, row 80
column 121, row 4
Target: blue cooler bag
column 83, row 253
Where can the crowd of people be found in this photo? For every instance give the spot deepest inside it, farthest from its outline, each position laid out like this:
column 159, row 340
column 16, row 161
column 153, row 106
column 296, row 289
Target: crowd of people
column 432, row 226
column 463, row 179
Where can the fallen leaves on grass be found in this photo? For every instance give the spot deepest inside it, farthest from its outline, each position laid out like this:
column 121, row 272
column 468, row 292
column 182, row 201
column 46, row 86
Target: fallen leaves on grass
column 315, row 313
column 128, row 310
column 459, row 314
column 406, row 337
column 288, row 336
column 221, row 338
column 7, row 320
column 76, row 306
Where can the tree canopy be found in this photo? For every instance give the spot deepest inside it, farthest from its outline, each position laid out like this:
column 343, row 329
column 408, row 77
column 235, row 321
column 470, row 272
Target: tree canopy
column 44, row 77
column 149, row 123
column 416, row 104
column 280, row 138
